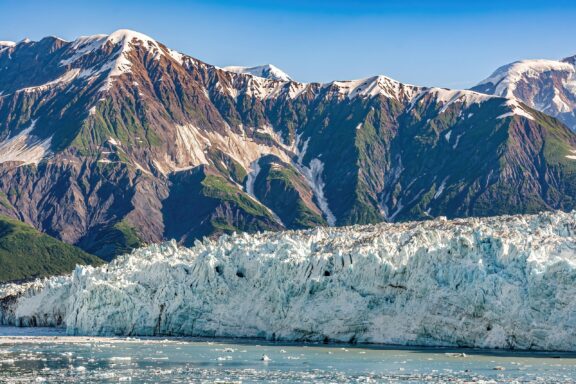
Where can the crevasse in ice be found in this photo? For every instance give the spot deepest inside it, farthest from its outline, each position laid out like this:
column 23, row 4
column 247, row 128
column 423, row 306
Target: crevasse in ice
column 501, row 282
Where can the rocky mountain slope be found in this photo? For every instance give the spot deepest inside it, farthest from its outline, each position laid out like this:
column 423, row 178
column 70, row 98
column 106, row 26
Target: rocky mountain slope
column 498, row 282
column 112, row 141
column 546, row 85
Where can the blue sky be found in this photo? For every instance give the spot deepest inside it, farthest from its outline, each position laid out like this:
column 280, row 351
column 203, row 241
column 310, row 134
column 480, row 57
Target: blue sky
column 437, row 43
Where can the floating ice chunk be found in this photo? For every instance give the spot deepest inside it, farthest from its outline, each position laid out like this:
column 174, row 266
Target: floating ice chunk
column 265, row 358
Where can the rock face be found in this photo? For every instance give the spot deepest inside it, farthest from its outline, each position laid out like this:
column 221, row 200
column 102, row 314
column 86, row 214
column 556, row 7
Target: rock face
column 500, row 282
column 546, row 85
column 108, row 142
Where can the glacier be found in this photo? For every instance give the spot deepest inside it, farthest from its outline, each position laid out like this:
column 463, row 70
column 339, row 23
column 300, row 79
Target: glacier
column 498, row 282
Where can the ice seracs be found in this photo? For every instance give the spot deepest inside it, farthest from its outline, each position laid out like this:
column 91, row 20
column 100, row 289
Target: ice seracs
column 499, row 282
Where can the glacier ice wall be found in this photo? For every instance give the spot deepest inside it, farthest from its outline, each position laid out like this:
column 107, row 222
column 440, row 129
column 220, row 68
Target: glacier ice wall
column 503, row 282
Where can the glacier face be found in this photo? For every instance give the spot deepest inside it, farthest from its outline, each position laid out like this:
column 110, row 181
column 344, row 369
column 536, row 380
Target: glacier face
column 502, row 282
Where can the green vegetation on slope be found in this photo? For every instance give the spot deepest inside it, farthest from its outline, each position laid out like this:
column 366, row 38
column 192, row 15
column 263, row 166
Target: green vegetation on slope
column 114, row 240
column 26, row 253
column 202, row 204
column 280, row 188
column 218, row 188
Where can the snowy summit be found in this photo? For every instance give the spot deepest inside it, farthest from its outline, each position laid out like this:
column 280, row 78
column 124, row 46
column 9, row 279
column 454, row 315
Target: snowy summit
column 267, row 71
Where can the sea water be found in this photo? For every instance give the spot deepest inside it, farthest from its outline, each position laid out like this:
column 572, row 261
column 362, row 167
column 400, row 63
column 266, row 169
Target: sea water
column 39, row 355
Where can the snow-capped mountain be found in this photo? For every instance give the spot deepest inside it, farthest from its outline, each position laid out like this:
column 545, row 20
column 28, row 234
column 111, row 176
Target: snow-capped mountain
column 500, row 282
column 267, row 71
column 111, row 141
column 548, row 86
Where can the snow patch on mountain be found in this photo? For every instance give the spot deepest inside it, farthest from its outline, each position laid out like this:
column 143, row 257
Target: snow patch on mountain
column 516, row 110
column 506, row 78
column 251, row 177
column 179, row 57
column 254, row 170
column 267, row 71
column 300, row 152
column 313, row 175
column 83, row 46
column 374, row 86
column 573, row 156
column 113, row 141
column 447, row 97
column 63, row 80
column 264, row 89
column 126, row 36
column 24, row 147
column 548, row 86
column 4, row 45
column 119, row 63
column 441, row 188
column 499, row 282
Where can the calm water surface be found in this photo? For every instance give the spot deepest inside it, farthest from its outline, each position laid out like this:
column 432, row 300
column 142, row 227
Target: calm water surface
column 41, row 355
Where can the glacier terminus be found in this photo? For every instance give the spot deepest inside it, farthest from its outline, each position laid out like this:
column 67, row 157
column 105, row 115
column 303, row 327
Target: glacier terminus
column 498, row 282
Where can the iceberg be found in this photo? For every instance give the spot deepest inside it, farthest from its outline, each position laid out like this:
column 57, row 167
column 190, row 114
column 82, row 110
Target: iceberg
column 499, row 282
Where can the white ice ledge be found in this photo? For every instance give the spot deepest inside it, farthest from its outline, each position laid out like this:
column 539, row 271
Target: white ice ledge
column 503, row 282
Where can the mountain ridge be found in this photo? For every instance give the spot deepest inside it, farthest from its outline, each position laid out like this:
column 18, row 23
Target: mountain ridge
column 112, row 141
column 267, row 71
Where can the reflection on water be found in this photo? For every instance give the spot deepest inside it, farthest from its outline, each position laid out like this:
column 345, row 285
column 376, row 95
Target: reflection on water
column 59, row 359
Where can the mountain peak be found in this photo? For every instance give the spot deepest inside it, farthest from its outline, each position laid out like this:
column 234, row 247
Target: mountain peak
column 267, row 71
column 123, row 40
column 545, row 85
column 506, row 78
column 124, row 36
column 127, row 35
